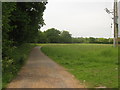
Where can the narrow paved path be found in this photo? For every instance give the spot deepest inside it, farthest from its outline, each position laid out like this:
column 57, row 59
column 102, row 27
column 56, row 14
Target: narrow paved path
column 41, row 72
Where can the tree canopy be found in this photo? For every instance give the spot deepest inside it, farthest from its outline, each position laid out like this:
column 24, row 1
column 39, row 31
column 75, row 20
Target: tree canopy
column 66, row 37
column 21, row 22
column 52, row 35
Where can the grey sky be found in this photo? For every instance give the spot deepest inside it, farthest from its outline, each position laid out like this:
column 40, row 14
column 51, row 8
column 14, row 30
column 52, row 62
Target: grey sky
column 81, row 18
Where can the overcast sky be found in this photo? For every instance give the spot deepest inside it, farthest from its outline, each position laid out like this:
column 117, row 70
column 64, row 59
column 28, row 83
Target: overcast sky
column 82, row 18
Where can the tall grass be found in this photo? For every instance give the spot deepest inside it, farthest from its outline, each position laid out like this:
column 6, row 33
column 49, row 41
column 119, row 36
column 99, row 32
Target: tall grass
column 94, row 65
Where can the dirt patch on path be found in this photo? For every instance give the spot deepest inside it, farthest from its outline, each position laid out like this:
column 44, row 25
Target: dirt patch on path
column 41, row 72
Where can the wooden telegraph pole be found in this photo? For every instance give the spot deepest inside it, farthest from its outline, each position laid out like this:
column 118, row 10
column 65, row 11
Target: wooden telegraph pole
column 119, row 23
column 115, row 21
column 115, row 42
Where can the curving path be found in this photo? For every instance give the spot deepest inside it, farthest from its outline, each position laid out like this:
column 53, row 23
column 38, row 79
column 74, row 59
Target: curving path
column 41, row 72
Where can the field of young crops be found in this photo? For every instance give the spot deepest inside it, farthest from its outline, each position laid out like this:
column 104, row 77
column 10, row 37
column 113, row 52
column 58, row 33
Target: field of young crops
column 95, row 65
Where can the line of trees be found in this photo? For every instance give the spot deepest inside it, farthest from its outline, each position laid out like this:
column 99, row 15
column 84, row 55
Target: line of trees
column 53, row 36
column 56, row 36
column 92, row 40
column 20, row 24
column 21, row 21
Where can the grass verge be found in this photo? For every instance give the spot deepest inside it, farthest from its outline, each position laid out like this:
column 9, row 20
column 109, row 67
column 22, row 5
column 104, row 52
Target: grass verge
column 12, row 65
column 93, row 64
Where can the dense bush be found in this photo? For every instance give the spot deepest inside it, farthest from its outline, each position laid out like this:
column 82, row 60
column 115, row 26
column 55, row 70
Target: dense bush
column 10, row 66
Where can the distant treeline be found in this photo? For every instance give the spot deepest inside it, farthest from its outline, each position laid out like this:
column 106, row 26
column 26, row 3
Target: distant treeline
column 55, row 36
column 93, row 40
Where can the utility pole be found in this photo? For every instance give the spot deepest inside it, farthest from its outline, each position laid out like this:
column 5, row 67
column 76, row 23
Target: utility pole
column 115, row 21
column 119, row 23
column 115, row 41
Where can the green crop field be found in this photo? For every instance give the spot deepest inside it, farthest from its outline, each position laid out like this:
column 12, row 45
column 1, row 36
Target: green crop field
column 95, row 65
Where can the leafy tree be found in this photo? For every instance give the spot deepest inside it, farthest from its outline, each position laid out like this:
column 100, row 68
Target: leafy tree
column 28, row 19
column 78, row 40
column 7, row 9
column 41, row 38
column 21, row 21
column 52, row 35
column 104, row 40
column 92, row 39
column 110, row 40
column 66, row 37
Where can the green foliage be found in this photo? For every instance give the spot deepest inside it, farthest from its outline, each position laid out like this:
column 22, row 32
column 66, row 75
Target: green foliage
column 10, row 66
column 28, row 19
column 93, row 64
column 79, row 40
column 21, row 21
column 65, row 37
column 56, row 36
column 52, row 35
column 41, row 38
column 92, row 40
column 6, row 11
